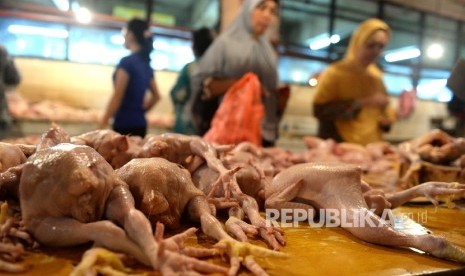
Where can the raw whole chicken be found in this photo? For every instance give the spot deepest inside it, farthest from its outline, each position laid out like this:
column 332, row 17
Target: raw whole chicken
column 181, row 149
column 338, row 186
column 272, row 235
column 163, row 191
column 435, row 146
column 10, row 156
column 70, row 195
column 109, row 144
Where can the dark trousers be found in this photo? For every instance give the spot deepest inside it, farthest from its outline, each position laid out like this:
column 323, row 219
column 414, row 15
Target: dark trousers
column 132, row 131
column 267, row 143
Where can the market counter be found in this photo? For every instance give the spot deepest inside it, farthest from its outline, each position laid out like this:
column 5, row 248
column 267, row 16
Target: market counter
column 321, row 251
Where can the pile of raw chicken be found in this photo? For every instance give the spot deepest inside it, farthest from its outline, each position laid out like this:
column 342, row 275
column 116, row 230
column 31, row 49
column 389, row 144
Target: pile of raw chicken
column 56, row 111
column 120, row 193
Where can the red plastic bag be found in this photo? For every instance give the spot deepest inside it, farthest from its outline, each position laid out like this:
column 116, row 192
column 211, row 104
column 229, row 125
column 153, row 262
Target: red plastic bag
column 239, row 115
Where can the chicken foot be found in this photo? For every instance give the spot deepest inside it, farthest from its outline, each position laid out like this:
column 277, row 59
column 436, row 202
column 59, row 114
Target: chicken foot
column 168, row 192
column 238, row 252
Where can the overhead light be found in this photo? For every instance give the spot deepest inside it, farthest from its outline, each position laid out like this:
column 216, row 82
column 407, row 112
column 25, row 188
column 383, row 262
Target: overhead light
column 62, row 5
column 435, row 51
column 402, row 54
column 335, row 38
column 33, row 30
column 21, row 44
column 430, row 88
column 117, row 39
column 83, row 15
column 322, row 41
column 313, row 82
column 297, row 76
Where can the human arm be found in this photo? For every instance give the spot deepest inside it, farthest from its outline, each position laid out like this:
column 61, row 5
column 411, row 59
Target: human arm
column 215, row 87
column 348, row 109
column 11, row 75
column 179, row 92
column 331, row 111
column 210, row 77
column 121, row 82
column 154, row 96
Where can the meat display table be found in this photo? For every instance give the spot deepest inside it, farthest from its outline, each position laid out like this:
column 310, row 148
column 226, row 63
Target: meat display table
column 321, row 251
column 26, row 127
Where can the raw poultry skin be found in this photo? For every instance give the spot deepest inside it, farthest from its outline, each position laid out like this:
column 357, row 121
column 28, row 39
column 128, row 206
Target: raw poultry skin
column 11, row 159
column 63, row 193
column 10, row 156
column 108, row 143
column 79, row 187
column 160, row 189
column 178, row 148
column 66, row 193
column 338, row 186
column 164, row 190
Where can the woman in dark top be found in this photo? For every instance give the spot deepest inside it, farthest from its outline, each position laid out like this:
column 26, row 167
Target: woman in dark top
column 132, row 78
column 9, row 75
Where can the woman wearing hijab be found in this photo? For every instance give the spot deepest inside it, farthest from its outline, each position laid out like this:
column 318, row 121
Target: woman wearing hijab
column 132, row 78
column 243, row 47
column 351, row 102
column 181, row 91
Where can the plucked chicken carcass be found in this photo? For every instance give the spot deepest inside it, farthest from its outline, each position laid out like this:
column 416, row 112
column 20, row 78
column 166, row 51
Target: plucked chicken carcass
column 163, row 191
column 90, row 204
column 10, row 156
column 435, row 146
column 113, row 146
column 70, row 195
column 338, row 186
column 186, row 150
column 272, row 235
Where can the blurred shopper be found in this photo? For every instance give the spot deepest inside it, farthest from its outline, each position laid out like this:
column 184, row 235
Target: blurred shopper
column 132, row 78
column 456, row 106
column 181, row 91
column 351, row 102
column 243, row 47
column 9, row 75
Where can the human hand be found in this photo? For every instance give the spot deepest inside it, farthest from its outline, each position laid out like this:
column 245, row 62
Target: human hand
column 385, row 123
column 102, row 124
column 377, row 100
